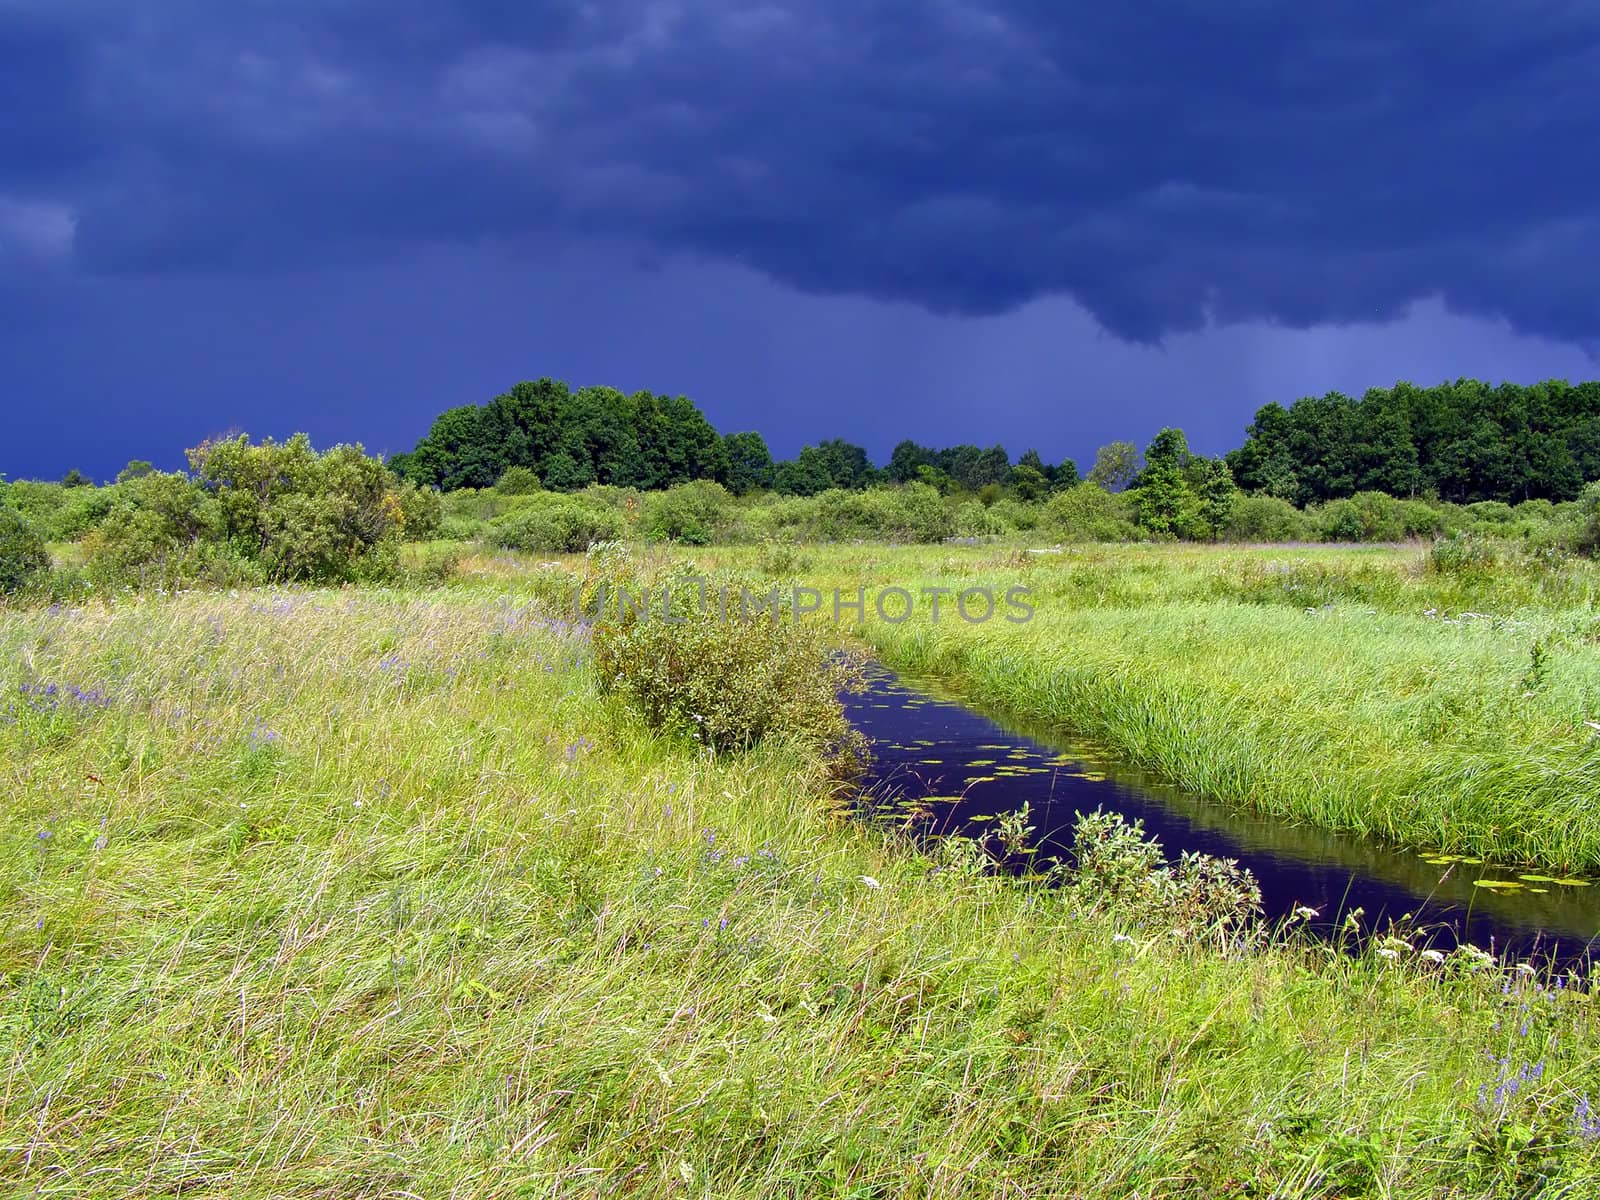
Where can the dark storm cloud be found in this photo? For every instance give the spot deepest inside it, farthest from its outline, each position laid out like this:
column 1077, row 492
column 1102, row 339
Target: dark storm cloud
column 1166, row 164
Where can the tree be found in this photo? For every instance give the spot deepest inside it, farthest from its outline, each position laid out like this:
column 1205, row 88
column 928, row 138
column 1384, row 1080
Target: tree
column 1169, row 449
column 1115, row 466
column 906, row 460
column 1167, row 503
column 1028, row 482
column 76, row 479
column 1064, row 474
column 847, row 464
column 1217, row 496
column 568, row 439
column 750, row 465
column 137, row 468
column 804, row 475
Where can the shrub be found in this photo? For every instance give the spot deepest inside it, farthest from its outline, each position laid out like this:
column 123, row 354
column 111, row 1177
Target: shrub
column 1462, row 554
column 731, row 683
column 463, row 529
column 433, row 563
column 913, row 512
column 1117, row 869
column 517, row 481
column 1265, row 519
column 1086, row 512
column 23, row 557
column 1494, row 513
column 693, row 513
column 558, row 524
column 1419, row 519
column 973, row 519
column 56, row 512
column 1586, row 539
column 1338, row 521
column 1015, row 514
column 164, row 530
column 1376, row 517
column 301, row 515
column 421, row 512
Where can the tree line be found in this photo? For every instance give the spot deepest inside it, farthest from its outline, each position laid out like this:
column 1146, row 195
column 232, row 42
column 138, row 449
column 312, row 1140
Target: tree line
column 1462, row 442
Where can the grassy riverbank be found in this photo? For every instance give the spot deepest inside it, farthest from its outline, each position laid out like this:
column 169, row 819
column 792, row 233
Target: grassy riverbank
column 1354, row 689
column 369, row 893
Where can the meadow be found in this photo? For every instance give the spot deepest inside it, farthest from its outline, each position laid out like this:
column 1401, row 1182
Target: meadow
column 375, row 891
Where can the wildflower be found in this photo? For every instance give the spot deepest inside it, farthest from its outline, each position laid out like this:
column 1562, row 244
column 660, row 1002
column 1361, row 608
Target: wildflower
column 870, row 882
column 1305, row 913
column 1118, row 938
column 1386, row 952
column 1432, row 956
column 1585, row 1121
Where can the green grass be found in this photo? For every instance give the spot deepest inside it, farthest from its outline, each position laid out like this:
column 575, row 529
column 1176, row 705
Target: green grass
column 368, row 893
column 1348, row 688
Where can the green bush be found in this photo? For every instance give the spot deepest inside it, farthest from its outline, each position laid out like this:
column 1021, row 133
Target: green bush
column 1086, row 512
column 23, row 557
column 163, row 531
column 301, row 515
column 1586, row 536
column 421, row 512
column 1017, row 514
column 517, row 481
column 1462, row 554
column 1376, row 517
column 974, row 519
column 56, row 512
column 557, row 524
column 1116, row 869
column 1265, row 519
column 251, row 513
column 430, row 563
column 692, row 513
column 464, row 529
column 729, row 684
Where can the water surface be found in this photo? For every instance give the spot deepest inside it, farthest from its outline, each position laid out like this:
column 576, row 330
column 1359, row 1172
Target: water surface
column 934, row 752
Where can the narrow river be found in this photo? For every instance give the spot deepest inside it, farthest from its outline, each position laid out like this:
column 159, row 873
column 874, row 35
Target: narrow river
column 961, row 766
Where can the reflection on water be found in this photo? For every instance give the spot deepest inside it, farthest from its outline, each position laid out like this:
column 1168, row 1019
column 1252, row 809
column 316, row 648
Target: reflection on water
column 965, row 767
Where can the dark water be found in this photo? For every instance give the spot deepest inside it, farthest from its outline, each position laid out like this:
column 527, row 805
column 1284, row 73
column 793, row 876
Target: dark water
column 965, row 767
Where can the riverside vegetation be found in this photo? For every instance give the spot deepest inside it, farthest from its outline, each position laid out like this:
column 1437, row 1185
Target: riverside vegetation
column 384, row 891
column 341, row 860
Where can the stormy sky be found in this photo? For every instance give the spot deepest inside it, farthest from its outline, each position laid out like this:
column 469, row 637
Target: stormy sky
column 1043, row 223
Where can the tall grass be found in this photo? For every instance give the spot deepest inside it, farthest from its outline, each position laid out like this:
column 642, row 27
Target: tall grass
column 1356, row 690
column 370, row 893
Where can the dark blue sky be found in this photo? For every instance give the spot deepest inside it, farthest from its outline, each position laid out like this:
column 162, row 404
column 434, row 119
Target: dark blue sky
column 1044, row 223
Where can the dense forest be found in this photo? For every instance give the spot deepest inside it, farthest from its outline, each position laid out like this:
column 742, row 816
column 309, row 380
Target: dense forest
column 1461, row 442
